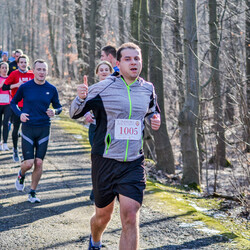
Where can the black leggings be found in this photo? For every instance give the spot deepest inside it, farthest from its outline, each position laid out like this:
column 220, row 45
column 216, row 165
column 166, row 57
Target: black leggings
column 5, row 113
column 16, row 125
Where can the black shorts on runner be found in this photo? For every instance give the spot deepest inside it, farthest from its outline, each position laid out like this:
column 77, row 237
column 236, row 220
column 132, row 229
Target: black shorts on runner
column 111, row 178
column 35, row 138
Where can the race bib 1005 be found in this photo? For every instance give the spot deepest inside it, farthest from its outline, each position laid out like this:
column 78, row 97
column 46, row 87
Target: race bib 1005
column 127, row 129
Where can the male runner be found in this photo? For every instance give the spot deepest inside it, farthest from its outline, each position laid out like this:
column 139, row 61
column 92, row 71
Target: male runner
column 120, row 105
column 13, row 82
column 37, row 96
column 108, row 53
column 14, row 64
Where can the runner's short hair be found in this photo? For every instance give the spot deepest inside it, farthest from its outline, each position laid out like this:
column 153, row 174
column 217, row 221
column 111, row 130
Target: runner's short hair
column 109, row 50
column 19, row 51
column 104, row 62
column 126, row 46
column 23, row 56
column 40, row 61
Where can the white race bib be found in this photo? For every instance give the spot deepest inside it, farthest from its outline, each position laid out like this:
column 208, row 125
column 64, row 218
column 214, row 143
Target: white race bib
column 127, row 129
column 4, row 98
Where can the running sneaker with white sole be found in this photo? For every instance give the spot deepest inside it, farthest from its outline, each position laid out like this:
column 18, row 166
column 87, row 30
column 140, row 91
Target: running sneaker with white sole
column 20, row 182
column 5, row 147
column 15, row 155
column 33, row 199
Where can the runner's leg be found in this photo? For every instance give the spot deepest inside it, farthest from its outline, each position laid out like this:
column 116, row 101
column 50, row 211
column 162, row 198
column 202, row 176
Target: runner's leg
column 7, row 114
column 37, row 173
column 100, row 220
column 129, row 212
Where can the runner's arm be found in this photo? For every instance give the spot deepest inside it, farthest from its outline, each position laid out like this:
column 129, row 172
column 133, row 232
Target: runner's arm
column 56, row 103
column 153, row 111
column 10, row 82
column 17, row 98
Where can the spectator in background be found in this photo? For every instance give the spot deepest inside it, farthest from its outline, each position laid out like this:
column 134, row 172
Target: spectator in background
column 13, row 65
column 12, row 58
column 5, row 57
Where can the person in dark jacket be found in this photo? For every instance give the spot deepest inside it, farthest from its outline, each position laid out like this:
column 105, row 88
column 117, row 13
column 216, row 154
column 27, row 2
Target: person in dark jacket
column 37, row 95
column 13, row 65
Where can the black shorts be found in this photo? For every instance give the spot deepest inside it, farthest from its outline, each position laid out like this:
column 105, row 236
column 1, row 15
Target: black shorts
column 111, row 178
column 35, row 138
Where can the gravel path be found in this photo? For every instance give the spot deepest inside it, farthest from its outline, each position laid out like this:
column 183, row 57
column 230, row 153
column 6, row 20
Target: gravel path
column 61, row 220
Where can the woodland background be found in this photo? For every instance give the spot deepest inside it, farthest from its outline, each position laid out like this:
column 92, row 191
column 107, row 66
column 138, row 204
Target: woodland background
column 195, row 52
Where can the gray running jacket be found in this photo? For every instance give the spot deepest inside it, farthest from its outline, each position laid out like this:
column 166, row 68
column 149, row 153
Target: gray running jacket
column 113, row 99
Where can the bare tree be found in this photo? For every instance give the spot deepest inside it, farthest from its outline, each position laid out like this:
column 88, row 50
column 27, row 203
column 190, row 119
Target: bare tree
column 177, row 45
column 79, row 36
column 190, row 112
column 163, row 148
column 94, row 12
column 121, row 15
column 220, row 157
column 67, row 34
column 55, row 67
column 135, row 20
column 144, row 37
column 247, row 43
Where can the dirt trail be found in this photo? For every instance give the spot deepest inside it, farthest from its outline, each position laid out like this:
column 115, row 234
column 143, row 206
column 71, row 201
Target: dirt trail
column 61, row 220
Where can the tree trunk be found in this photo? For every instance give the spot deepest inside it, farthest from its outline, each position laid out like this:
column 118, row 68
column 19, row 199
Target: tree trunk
column 247, row 120
column 135, row 21
column 79, row 36
column 94, row 12
column 68, row 43
column 190, row 112
column 163, row 148
column 32, row 45
column 215, row 80
column 177, row 45
column 52, row 43
column 121, row 20
column 37, row 36
column 144, row 34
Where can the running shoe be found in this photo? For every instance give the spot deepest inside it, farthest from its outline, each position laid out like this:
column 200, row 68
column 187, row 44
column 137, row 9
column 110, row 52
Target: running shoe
column 1, row 146
column 5, row 147
column 20, row 182
column 33, row 199
column 15, row 155
column 91, row 247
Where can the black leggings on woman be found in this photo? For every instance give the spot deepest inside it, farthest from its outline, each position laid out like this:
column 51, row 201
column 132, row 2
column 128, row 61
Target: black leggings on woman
column 5, row 113
column 16, row 125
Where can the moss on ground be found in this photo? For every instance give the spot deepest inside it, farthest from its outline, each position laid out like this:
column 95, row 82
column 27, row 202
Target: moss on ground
column 175, row 201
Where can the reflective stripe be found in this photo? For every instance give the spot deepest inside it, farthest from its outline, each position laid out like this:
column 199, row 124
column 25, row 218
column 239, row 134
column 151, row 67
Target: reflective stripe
column 27, row 139
column 43, row 140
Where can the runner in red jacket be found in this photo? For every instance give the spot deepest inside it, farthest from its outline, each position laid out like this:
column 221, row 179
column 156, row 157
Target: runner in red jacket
column 15, row 79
